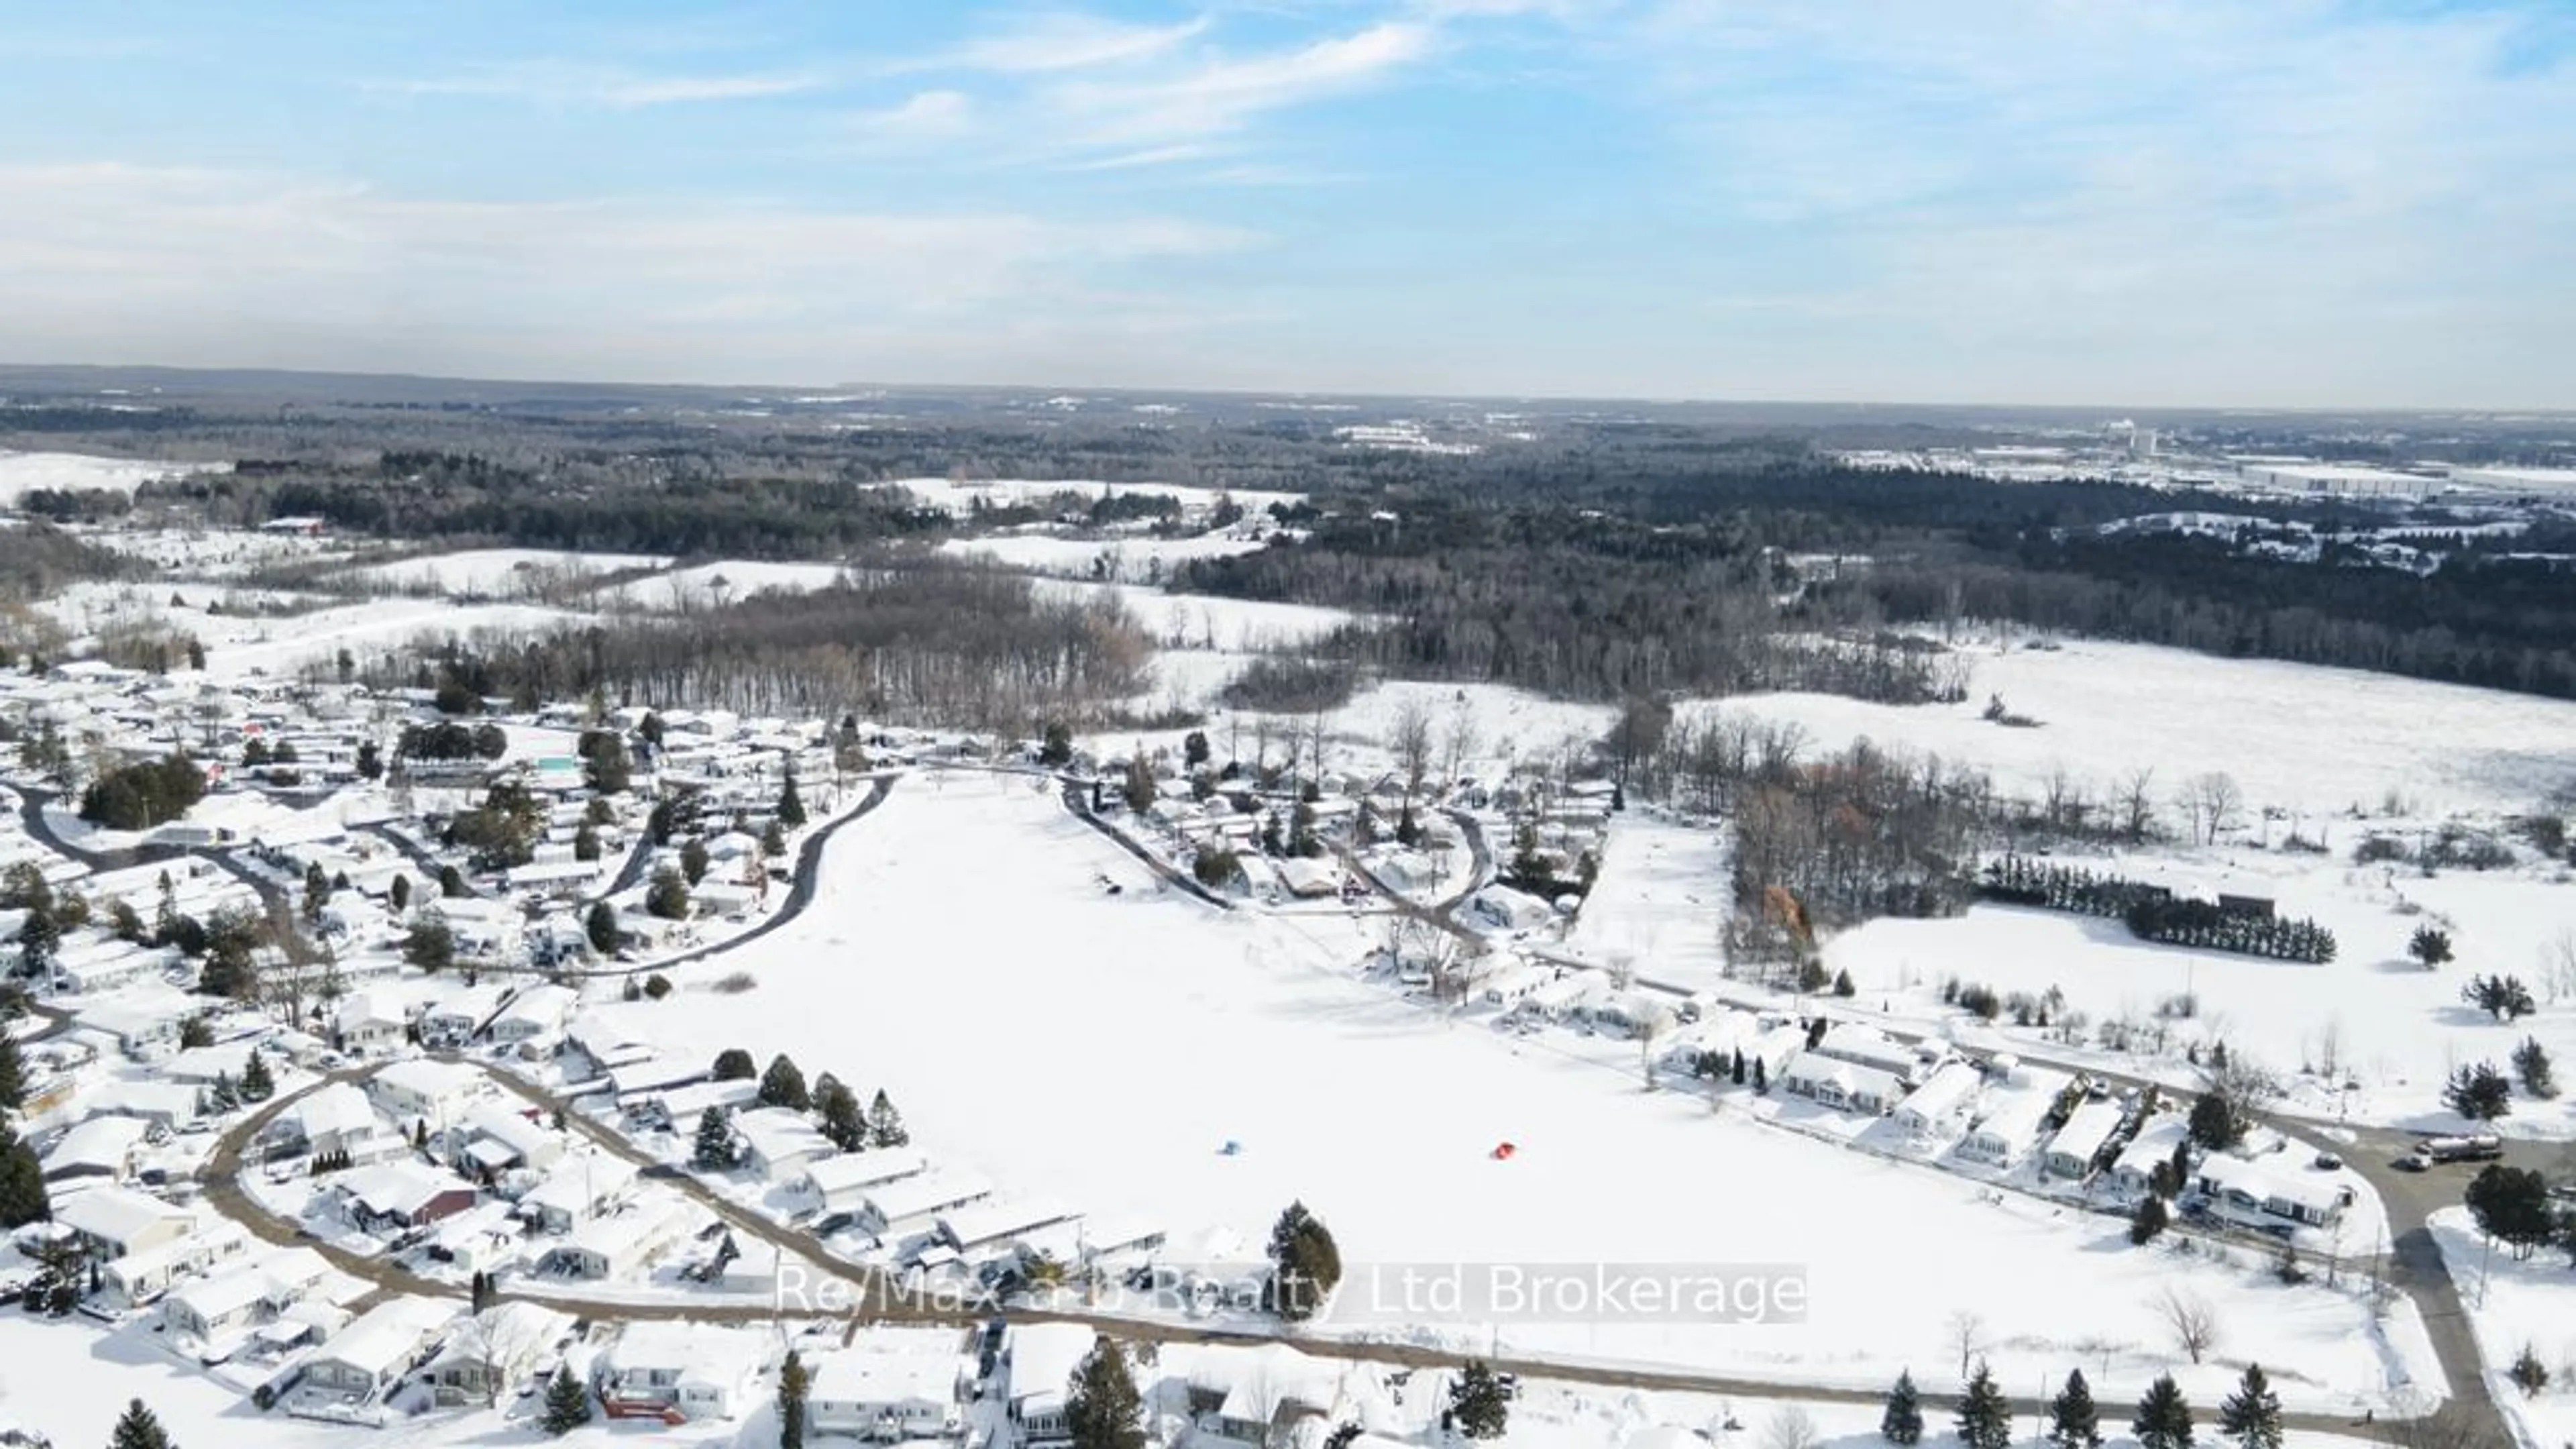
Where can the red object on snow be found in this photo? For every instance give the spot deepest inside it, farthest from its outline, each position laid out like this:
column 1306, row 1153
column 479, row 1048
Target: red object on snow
column 1503, row 1151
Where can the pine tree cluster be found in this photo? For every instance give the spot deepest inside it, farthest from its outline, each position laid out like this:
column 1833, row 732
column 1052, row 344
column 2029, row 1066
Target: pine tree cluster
column 2153, row 913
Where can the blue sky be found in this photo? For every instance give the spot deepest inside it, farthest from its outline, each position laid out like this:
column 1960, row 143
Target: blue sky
column 2285, row 203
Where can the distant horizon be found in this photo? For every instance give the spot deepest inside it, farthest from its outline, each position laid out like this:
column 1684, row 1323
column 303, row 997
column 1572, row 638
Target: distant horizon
column 2331, row 205
column 781, row 391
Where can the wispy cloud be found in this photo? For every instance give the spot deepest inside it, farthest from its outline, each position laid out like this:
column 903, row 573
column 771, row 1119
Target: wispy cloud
column 1065, row 41
column 619, row 90
column 189, row 256
column 925, row 115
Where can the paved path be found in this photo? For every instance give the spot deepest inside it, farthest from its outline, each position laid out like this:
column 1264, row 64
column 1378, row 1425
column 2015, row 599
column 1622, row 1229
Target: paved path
column 1077, row 802
column 429, row 864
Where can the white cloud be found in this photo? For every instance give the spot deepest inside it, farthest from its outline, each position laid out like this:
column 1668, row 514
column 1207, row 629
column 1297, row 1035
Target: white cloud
column 112, row 262
column 1217, row 95
column 925, row 115
column 619, row 90
column 1064, row 41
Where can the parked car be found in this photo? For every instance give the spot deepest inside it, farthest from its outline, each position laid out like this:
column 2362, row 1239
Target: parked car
column 2327, row 1162
column 2414, row 1162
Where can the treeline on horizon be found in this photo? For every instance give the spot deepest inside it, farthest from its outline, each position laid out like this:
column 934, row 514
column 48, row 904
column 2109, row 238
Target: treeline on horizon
column 1603, row 560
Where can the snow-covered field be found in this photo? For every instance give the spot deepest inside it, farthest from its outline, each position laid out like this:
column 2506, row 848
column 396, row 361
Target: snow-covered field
column 1132, row 559
column 959, row 495
column 962, row 947
column 23, row 473
column 501, row 572
column 1204, row 621
column 1661, row 902
column 2373, row 1014
column 2513, row 1306
column 705, row 585
column 213, row 552
column 237, row 647
column 2306, row 739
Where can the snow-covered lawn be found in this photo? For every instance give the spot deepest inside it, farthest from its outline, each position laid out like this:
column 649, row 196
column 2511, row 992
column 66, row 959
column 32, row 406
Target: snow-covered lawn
column 2513, row 1306
column 1661, row 901
column 501, row 572
column 24, row 473
column 2306, row 739
column 2372, row 1013
column 1104, row 1049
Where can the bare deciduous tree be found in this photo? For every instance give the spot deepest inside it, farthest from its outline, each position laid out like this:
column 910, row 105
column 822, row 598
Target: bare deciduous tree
column 1790, row 1428
column 1460, row 740
column 1968, row 1335
column 1409, row 737
column 2193, row 1323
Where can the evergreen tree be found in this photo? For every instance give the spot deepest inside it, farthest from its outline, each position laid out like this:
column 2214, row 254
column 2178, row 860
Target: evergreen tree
column 1102, row 1409
column 22, row 1182
column 2531, row 1063
column 2164, row 1419
column 138, row 1428
column 791, row 806
column 601, row 927
column 2430, row 945
column 1738, row 1072
column 2149, row 1221
column 567, row 1403
column 783, row 1085
column 667, row 898
column 844, row 1120
column 223, row 1095
column 1902, row 1420
column 13, row 1075
column 693, row 860
column 2252, row 1415
column 256, row 1083
column 40, row 940
column 885, row 1124
column 793, row 1385
column 1985, row 1416
column 714, row 1149
column 2214, row 1125
column 733, row 1064
column 2478, row 1092
column 1305, row 1264
column 2073, row 1421
column 1477, row 1403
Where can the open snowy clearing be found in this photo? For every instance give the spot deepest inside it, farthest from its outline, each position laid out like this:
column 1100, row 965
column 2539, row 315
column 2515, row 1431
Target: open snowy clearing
column 1206, row 621
column 24, row 473
column 2309, row 740
column 274, row 647
column 1118, row 560
column 958, row 496
column 213, row 552
column 703, row 586
column 501, row 572
column 1661, row 902
column 2384, row 1022
column 1166, row 1030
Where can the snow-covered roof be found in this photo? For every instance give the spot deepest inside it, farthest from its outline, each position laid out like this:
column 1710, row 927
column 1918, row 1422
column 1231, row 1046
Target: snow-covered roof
column 400, row 1186
column 702, row 1352
column 2154, row 1143
column 116, row 1214
column 1043, row 1357
column 2087, row 1130
column 927, row 1192
column 990, row 1222
column 385, row 1337
column 851, row 1170
column 429, row 1079
column 100, row 1144
column 862, row 1376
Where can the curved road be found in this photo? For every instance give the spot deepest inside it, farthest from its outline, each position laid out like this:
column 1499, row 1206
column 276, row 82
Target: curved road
column 873, row 1296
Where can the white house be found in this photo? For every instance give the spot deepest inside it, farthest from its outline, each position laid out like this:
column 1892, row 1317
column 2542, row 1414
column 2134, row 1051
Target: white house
column 100, row 1149
column 536, row 1012
column 337, row 1117
column 577, row 1189
column 2015, row 1106
column 1502, row 908
column 2249, row 1194
column 1039, row 1359
column 1842, row 1085
column 369, row 1020
column 495, row 1349
column 978, row 1230
column 455, row 1018
column 115, row 1221
column 140, row 1276
column 424, row 1090
column 779, row 1143
column 838, row 1183
column 2133, row 1171
column 886, row 1396
column 618, row 1246
column 214, row 1310
column 912, row 1203
column 1945, row 1096
column 496, row 1137
column 1867, row 1046
column 677, row 1109
column 2088, row 1130
column 695, row 1370
column 378, row 1347
column 400, row 1194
